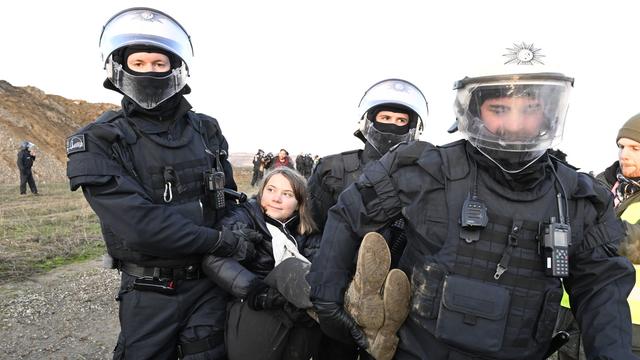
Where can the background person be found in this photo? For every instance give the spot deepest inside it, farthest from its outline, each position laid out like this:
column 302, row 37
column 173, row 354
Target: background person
column 283, row 159
column 623, row 180
column 154, row 173
column 25, row 163
column 258, row 167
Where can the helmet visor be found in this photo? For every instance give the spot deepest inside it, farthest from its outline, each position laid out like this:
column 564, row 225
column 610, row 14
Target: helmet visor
column 513, row 114
column 146, row 90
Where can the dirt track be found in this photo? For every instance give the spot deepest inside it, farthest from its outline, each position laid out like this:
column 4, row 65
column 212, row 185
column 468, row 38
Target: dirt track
column 69, row 313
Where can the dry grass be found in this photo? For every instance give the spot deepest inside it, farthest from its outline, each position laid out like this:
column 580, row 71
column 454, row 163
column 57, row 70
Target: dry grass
column 38, row 233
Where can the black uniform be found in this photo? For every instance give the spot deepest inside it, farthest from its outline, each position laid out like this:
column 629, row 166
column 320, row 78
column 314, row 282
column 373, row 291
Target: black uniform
column 258, row 169
column 463, row 305
column 143, row 175
column 335, row 173
column 25, row 162
column 330, row 177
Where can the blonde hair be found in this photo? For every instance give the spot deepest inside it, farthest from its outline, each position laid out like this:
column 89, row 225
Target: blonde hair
column 299, row 185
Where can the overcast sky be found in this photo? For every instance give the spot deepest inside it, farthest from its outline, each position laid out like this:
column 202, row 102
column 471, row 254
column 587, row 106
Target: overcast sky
column 291, row 73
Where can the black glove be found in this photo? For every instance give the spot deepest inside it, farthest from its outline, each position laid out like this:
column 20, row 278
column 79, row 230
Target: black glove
column 238, row 244
column 263, row 297
column 336, row 323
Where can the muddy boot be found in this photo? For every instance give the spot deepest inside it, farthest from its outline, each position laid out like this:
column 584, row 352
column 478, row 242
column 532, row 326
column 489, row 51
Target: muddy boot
column 363, row 299
column 396, row 295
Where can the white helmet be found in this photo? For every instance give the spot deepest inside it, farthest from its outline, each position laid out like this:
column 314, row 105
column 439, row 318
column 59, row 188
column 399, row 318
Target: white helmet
column 146, row 27
column 26, row 145
column 514, row 116
column 396, row 93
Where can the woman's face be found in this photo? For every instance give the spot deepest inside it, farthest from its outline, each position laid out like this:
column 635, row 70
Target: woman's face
column 278, row 199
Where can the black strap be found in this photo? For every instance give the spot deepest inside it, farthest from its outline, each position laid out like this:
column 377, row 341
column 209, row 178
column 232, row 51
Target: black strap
column 200, row 346
column 190, row 272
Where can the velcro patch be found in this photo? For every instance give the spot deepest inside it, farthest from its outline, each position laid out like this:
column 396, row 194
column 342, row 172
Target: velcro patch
column 76, row 143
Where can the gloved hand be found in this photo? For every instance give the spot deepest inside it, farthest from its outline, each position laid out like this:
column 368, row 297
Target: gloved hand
column 264, row 297
column 335, row 322
column 238, row 244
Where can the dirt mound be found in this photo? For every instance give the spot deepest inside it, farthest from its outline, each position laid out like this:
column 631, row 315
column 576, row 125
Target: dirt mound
column 27, row 113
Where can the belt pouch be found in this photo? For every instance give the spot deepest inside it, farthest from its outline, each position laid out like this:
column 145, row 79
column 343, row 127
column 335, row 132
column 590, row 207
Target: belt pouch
column 473, row 314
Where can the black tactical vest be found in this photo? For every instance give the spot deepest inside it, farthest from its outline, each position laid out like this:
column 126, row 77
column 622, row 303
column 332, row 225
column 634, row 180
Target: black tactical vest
column 458, row 296
column 171, row 171
column 345, row 170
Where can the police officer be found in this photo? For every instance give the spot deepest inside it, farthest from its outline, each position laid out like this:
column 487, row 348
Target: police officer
column 25, row 163
column 495, row 228
column 156, row 174
column 391, row 111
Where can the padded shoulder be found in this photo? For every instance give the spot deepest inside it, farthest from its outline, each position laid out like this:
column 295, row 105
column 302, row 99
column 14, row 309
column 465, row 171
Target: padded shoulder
column 589, row 188
column 199, row 120
column 337, row 164
column 89, row 151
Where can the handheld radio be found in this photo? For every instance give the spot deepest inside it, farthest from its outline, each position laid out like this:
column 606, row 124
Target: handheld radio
column 555, row 245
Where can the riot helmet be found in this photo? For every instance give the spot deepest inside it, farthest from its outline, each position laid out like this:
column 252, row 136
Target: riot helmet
column 394, row 95
column 514, row 117
column 144, row 29
column 26, row 145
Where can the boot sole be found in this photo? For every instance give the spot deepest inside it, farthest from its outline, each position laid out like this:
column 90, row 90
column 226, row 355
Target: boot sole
column 363, row 299
column 396, row 298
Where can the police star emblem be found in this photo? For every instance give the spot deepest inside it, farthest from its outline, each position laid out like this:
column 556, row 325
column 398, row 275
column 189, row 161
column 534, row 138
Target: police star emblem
column 523, row 54
column 147, row 15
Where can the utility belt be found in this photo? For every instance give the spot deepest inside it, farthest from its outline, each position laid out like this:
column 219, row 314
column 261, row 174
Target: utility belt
column 189, row 272
column 160, row 280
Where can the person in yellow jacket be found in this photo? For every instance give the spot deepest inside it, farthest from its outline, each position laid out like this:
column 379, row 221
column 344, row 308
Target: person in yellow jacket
column 623, row 178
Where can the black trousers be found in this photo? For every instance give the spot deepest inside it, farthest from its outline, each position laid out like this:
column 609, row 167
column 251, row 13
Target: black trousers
column 269, row 335
column 153, row 324
column 27, row 178
column 257, row 176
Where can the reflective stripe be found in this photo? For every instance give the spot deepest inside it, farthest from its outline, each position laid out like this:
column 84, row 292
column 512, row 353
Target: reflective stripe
column 633, row 299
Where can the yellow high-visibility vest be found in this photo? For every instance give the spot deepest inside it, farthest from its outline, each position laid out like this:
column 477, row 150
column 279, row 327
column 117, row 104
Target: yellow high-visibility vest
column 632, row 215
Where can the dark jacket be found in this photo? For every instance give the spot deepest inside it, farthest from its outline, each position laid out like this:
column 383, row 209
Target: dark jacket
column 412, row 180
column 126, row 161
column 238, row 278
column 332, row 175
column 25, row 161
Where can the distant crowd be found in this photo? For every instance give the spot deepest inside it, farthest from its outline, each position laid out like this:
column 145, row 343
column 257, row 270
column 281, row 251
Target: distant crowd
column 262, row 161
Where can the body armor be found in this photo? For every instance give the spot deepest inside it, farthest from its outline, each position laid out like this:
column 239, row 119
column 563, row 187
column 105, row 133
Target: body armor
column 171, row 171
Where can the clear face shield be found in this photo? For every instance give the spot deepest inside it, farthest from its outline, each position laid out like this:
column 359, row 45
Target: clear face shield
column 392, row 92
column 513, row 119
column 148, row 91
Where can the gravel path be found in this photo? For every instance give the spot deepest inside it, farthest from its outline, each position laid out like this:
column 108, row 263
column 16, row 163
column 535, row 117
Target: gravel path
column 68, row 313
